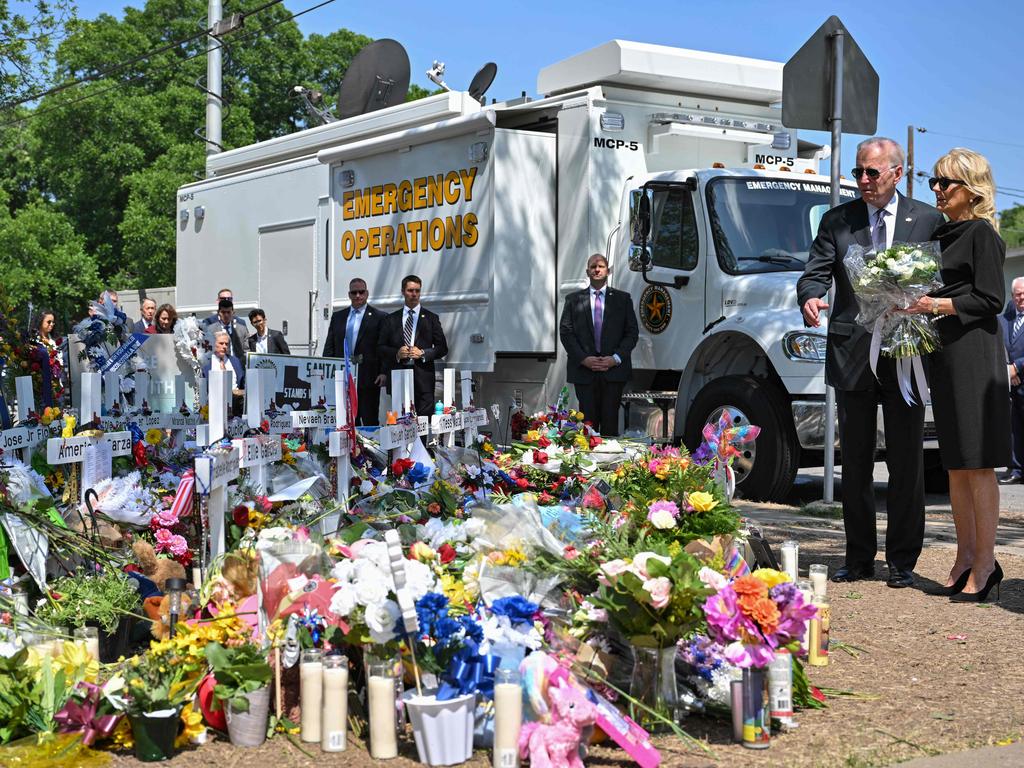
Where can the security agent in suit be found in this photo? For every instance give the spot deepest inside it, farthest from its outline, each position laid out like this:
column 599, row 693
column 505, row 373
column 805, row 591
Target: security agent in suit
column 1008, row 321
column 235, row 327
column 412, row 337
column 265, row 340
column 599, row 330
column 362, row 322
column 147, row 324
column 878, row 219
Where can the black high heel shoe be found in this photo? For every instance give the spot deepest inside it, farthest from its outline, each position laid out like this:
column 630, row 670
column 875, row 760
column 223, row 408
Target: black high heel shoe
column 955, row 588
column 979, row 597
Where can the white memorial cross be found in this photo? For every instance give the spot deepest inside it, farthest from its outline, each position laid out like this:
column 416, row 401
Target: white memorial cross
column 255, row 453
column 400, row 437
column 21, row 438
column 446, row 424
column 214, row 470
column 180, row 420
column 321, row 416
column 219, row 384
column 95, row 453
column 340, row 449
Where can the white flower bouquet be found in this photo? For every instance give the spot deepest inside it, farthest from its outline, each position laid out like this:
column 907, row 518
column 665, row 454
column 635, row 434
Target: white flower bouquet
column 889, row 282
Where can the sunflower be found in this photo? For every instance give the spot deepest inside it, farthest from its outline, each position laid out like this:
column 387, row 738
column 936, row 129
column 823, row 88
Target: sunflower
column 154, row 436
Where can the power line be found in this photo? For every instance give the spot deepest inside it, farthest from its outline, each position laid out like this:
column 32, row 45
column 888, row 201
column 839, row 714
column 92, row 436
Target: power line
column 161, row 70
column 1006, row 191
column 125, row 64
column 972, row 138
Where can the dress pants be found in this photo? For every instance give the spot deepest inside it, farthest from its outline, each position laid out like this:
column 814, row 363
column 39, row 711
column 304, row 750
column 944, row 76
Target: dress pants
column 600, row 402
column 1017, row 434
column 369, row 405
column 904, row 456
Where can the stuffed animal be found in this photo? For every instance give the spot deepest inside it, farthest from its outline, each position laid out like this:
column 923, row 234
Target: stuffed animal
column 557, row 744
column 237, row 578
column 158, row 570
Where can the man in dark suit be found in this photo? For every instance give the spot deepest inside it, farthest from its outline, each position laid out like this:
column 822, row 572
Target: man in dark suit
column 359, row 323
column 413, row 338
column 599, row 330
column 1012, row 324
column 265, row 340
column 225, row 361
column 878, row 219
column 147, row 323
column 234, row 327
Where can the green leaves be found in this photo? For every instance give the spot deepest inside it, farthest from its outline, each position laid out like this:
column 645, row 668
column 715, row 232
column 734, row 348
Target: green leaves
column 238, row 671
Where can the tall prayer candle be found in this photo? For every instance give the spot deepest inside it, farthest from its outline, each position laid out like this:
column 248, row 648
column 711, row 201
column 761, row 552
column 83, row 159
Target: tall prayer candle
column 380, row 687
column 508, row 717
column 334, row 715
column 311, row 676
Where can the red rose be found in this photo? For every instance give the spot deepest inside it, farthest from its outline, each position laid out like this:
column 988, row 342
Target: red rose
column 447, row 553
column 522, row 482
column 539, row 457
column 240, row 515
column 594, row 441
column 570, row 552
column 545, row 498
column 543, row 442
column 139, row 452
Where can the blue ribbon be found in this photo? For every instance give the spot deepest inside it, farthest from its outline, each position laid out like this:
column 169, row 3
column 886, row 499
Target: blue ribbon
column 470, row 671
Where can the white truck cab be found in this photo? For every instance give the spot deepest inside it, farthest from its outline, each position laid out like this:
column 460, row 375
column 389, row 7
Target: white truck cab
column 498, row 207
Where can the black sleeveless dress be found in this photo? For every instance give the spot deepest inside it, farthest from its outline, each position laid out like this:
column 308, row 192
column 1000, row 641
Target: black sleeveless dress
column 968, row 379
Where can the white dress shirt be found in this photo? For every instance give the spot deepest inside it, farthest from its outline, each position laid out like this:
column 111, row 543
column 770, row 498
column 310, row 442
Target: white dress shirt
column 261, row 343
column 890, row 219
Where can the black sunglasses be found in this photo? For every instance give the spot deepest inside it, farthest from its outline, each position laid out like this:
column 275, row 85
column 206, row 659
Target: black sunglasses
column 358, row 292
column 872, row 173
column 943, row 182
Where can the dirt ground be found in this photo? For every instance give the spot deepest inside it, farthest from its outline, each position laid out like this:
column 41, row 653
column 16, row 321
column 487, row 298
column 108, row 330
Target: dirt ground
column 934, row 676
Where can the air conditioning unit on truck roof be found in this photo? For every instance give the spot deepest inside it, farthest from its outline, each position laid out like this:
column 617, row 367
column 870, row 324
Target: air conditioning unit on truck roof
column 497, row 209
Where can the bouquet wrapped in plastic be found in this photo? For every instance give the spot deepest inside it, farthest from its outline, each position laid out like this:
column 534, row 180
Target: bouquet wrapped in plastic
column 891, row 281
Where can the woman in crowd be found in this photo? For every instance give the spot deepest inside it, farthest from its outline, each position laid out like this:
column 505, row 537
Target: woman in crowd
column 968, row 374
column 166, row 317
column 48, row 353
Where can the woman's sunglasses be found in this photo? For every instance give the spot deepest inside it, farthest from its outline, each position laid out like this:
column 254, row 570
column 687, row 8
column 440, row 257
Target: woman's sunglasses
column 871, row 173
column 943, row 182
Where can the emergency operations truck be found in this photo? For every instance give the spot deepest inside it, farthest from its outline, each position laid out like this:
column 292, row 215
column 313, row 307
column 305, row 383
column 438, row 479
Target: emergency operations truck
column 498, row 207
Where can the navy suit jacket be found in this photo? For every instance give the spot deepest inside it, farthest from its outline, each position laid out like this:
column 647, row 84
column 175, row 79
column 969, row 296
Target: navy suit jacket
column 1014, row 349
column 235, row 363
column 619, row 334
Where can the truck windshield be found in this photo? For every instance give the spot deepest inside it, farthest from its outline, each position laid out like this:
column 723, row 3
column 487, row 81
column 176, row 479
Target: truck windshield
column 766, row 225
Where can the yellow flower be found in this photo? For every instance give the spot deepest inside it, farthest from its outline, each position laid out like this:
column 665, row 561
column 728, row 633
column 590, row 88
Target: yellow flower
column 77, row 662
column 154, row 436
column 533, row 436
column 454, row 590
column 257, row 520
column 69, row 427
column 422, row 552
column 582, row 443
column 122, row 735
column 770, row 577
column 702, row 501
column 193, row 729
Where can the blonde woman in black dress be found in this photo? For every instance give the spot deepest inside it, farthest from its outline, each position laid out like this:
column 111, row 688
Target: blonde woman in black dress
column 968, row 375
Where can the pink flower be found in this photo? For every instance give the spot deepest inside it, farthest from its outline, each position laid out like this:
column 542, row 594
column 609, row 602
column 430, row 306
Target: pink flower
column 167, row 518
column 663, row 514
column 712, row 578
column 612, row 570
column 660, row 590
column 170, row 542
column 653, row 466
column 641, row 559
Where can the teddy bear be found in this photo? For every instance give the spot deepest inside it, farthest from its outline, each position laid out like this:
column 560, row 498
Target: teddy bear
column 158, row 570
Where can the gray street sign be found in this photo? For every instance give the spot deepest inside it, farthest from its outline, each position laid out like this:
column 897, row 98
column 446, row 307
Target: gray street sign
column 807, row 87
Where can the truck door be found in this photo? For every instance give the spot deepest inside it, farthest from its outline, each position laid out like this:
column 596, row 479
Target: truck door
column 670, row 302
column 287, row 264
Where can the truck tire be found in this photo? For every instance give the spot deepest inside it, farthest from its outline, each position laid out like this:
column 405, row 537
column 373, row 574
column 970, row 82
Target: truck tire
column 767, row 468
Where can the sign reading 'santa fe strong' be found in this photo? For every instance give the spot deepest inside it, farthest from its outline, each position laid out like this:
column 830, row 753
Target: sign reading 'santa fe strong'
column 419, row 235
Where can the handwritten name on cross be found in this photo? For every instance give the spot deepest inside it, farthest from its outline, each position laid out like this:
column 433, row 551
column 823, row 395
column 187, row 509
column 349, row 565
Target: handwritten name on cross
column 214, row 470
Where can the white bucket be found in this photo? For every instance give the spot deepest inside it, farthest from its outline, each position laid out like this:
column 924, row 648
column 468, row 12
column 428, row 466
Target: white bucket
column 443, row 730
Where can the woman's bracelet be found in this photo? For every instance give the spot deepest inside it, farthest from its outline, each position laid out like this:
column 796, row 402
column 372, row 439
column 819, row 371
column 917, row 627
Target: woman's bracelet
column 935, row 307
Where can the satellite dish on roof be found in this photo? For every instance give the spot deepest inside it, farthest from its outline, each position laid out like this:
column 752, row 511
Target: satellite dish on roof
column 378, row 77
column 482, row 81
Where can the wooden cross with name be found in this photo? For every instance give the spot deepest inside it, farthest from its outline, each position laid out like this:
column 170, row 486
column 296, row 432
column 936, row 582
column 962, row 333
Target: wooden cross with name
column 214, row 470
column 340, row 449
column 23, row 438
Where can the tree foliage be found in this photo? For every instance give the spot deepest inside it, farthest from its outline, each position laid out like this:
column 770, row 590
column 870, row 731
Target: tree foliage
column 89, row 177
column 1011, row 226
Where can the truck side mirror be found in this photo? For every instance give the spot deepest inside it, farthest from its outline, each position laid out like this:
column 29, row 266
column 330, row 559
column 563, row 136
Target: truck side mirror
column 641, row 201
column 284, row 327
column 639, row 258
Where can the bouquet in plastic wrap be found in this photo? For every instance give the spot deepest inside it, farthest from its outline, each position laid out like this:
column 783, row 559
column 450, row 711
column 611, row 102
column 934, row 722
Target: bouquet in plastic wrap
column 891, row 281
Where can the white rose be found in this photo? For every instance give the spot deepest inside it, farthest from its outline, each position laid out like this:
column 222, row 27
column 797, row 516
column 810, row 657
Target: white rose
column 663, row 520
column 371, row 588
column 380, row 620
column 419, row 579
column 344, row 600
column 343, row 571
column 375, row 552
column 712, row 578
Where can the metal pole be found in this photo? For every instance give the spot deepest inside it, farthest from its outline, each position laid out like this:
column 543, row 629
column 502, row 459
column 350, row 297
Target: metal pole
column 910, row 161
column 214, row 82
column 837, row 142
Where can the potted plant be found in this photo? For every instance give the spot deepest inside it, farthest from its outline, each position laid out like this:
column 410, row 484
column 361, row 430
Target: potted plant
column 243, row 689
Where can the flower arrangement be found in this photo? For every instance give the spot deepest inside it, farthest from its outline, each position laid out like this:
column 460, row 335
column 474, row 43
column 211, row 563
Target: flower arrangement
column 652, row 599
column 128, row 499
column 102, row 332
column 892, row 280
column 239, row 668
column 191, row 343
column 81, row 599
column 754, row 615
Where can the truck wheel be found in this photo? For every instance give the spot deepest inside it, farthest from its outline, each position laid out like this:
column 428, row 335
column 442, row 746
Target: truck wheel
column 766, row 469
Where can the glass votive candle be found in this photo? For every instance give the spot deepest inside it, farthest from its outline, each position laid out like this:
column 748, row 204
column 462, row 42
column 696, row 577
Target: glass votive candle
column 790, row 558
column 90, row 638
column 380, row 702
column 818, row 574
column 334, row 716
column 508, row 717
column 311, row 676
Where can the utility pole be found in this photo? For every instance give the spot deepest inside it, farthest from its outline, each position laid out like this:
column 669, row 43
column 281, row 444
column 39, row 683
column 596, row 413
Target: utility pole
column 213, row 80
column 910, row 161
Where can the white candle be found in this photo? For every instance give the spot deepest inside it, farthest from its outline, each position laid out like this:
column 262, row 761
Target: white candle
column 819, row 579
column 508, row 718
column 311, row 677
column 335, row 706
column 90, row 638
column 790, row 558
column 381, row 705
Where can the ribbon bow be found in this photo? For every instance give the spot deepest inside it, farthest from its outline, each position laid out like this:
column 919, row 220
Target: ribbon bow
column 81, row 716
column 470, row 671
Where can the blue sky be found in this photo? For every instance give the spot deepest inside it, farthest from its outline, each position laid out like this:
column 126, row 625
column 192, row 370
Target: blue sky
column 954, row 68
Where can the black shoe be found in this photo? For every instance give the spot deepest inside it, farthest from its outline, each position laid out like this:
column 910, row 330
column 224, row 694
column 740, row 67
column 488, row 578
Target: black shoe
column 979, row 597
column 953, row 589
column 854, row 573
column 899, row 578
column 1010, row 480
